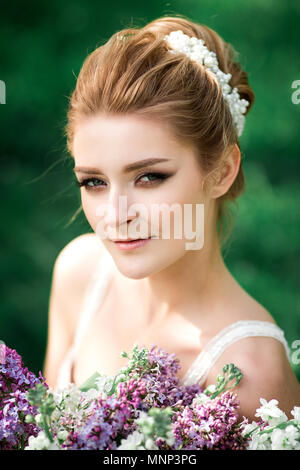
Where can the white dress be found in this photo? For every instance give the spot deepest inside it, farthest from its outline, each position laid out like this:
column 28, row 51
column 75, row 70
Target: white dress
column 200, row 368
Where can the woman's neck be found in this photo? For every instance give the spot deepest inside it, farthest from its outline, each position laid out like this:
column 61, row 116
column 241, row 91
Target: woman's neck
column 197, row 282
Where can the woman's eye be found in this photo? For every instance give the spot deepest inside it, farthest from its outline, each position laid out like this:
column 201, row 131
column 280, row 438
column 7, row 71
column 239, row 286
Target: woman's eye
column 158, row 178
column 86, row 183
column 89, row 183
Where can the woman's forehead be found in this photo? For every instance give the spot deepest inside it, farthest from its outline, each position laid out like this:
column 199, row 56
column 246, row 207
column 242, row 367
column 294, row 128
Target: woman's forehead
column 130, row 138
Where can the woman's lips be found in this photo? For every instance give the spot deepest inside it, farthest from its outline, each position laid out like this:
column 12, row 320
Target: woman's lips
column 132, row 244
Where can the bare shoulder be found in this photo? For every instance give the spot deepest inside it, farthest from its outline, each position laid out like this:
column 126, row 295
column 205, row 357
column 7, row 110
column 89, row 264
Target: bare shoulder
column 266, row 371
column 262, row 360
column 80, row 256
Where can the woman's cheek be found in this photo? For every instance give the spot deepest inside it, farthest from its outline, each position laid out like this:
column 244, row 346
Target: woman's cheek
column 89, row 207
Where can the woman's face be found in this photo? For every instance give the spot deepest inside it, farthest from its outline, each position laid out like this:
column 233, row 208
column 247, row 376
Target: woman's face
column 103, row 147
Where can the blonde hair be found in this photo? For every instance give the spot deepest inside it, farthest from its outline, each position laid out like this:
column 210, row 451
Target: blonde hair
column 133, row 72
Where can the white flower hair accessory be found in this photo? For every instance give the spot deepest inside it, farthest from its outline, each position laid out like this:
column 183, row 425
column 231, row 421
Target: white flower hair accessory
column 196, row 50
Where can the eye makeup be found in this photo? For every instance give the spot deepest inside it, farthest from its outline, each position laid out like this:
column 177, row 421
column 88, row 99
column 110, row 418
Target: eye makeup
column 159, row 179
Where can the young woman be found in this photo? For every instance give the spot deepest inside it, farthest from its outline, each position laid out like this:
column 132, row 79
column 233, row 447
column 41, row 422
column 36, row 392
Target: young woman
column 152, row 121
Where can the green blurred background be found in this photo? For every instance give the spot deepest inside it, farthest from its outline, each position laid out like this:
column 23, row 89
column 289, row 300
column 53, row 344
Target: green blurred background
column 43, row 45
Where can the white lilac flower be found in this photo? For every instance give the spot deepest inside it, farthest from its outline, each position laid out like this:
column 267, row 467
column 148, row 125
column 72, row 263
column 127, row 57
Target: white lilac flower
column 277, row 439
column 150, row 445
column 145, row 420
column 40, row 442
column 205, row 426
column 249, row 427
column 199, row 399
column 296, row 413
column 62, row 435
column 72, row 406
column 100, row 382
column 91, row 393
column 270, row 412
column 132, row 442
column 170, row 439
column 259, row 442
column 70, row 397
column 293, row 436
column 285, row 439
column 39, row 419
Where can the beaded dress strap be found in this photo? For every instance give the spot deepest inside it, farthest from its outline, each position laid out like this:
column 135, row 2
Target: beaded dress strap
column 200, row 368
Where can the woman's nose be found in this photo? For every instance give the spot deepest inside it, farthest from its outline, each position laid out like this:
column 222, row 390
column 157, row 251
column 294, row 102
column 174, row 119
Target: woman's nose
column 117, row 215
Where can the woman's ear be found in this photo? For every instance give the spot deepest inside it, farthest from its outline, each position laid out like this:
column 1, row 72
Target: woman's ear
column 224, row 176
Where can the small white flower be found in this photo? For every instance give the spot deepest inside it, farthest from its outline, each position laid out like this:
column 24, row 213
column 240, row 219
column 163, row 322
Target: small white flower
column 199, row 399
column 62, row 435
column 249, row 427
column 100, row 382
column 132, row 442
column 53, row 446
column 205, row 426
column 141, row 415
column 145, row 420
column 40, row 442
column 150, row 445
column 170, row 439
column 55, row 415
column 39, row 419
column 296, row 413
column 292, row 435
column 259, row 442
column 277, row 439
column 90, row 394
column 270, row 412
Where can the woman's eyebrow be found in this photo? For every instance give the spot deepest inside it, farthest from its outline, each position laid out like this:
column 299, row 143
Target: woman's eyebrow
column 128, row 168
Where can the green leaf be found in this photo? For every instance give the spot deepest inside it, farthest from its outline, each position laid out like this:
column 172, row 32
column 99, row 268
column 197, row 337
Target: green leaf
column 90, row 383
column 230, row 372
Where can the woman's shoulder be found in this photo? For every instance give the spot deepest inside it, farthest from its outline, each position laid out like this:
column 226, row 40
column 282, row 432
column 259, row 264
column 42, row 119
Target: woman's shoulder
column 266, row 371
column 87, row 242
column 263, row 362
column 80, row 255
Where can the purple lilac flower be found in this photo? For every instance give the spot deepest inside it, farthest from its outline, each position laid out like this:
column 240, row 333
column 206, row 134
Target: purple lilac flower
column 132, row 392
column 210, row 425
column 14, row 375
column 162, row 382
column 15, row 381
column 105, row 428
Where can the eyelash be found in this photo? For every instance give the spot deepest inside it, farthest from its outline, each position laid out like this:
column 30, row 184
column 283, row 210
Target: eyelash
column 161, row 177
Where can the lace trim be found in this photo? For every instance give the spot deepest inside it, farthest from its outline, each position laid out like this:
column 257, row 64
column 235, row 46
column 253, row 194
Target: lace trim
column 199, row 369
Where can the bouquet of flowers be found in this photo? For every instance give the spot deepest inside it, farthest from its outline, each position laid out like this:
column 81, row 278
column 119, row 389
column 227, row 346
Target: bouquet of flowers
column 143, row 407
